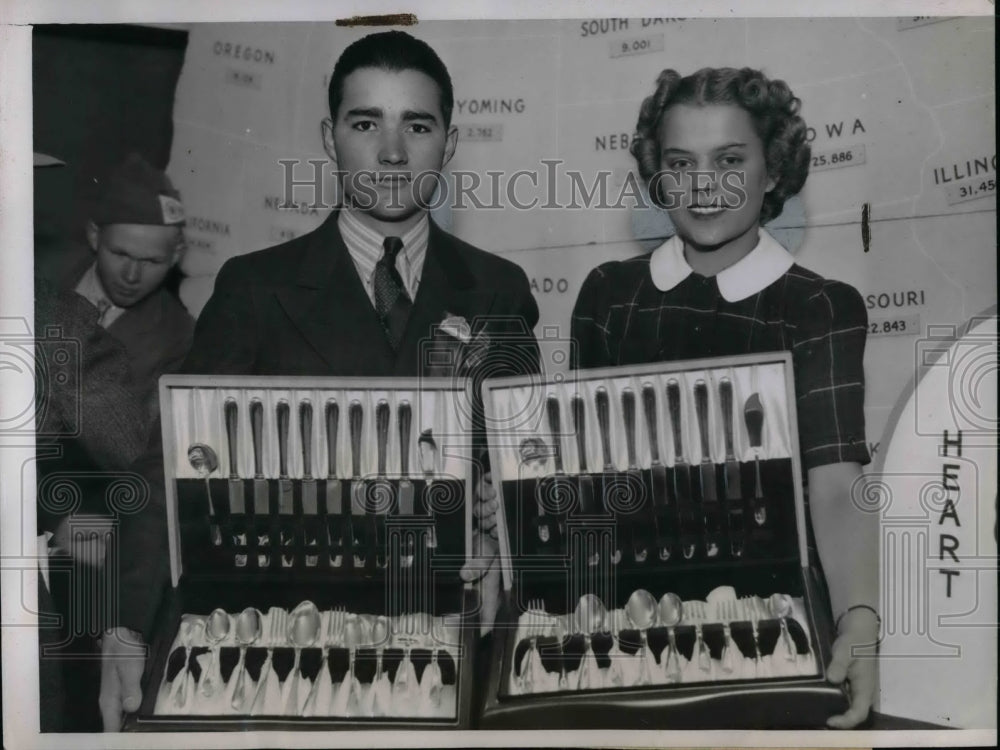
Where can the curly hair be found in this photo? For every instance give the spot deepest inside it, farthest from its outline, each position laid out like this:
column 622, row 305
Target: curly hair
column 772, row 107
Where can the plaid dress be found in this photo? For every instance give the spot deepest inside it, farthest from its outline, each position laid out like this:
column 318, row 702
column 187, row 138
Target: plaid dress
column 623, row 317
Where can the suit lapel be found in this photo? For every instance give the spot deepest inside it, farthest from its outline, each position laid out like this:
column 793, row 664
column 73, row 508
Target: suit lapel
column 329, row 307
column 139, row 320
column 447, row 287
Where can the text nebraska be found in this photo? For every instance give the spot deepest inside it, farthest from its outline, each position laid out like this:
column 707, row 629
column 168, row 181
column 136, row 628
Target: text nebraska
column 275, row 203
column 612, row 142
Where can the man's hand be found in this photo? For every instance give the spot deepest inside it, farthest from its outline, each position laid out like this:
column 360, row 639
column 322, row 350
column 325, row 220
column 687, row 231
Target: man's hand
column 482, row 566
column 123, row 658
column 853, row 659
column 485, row 510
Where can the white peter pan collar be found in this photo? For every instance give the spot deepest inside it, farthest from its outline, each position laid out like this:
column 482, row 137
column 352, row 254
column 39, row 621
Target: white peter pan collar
column 756, row 270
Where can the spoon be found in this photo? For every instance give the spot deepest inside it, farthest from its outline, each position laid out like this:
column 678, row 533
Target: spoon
column 781, row 607
column 205, row 460
column 670, row 611
column 701, row 648
column 432, row 673
column 615, row 654
column 559, row 630
column 380, row 632
column 729, row 648
column 334, row 628
column 780, row 604
column 181, row 680
column 589, row 618
column 405, row 635
column 641, row 613
column 755, row 605
column 249, row 623
column 303, row 631
column 216, row 630
column 353, row 637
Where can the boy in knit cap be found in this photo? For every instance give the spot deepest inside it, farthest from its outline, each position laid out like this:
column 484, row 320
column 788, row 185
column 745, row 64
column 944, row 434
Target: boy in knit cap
column 135, row 233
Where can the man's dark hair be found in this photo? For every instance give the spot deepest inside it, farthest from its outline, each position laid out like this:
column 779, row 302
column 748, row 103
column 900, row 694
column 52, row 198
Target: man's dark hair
column 392, row 51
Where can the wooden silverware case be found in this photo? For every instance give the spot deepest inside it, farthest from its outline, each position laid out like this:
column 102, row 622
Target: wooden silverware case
column 682, row 479
column 348, row 493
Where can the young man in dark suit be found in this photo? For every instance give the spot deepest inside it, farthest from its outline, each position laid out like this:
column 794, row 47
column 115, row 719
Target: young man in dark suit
column 357, row 296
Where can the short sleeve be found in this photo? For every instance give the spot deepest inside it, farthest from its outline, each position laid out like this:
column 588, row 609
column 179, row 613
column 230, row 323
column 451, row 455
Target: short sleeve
column 828, row 353
column 589, row 327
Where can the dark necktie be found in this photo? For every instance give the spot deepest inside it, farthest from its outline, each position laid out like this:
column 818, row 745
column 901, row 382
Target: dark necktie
column 392, row 303
column 103, row 305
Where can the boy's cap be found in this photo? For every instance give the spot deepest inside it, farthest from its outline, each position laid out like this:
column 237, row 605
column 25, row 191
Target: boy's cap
column 44, row 160
column 138, row 193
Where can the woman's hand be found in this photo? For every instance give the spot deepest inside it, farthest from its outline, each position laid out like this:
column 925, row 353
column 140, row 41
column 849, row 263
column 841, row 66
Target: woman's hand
column 123, row 657
column 854, row 659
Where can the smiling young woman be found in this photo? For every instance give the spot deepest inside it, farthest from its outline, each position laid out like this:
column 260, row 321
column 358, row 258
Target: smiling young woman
column 721, row 150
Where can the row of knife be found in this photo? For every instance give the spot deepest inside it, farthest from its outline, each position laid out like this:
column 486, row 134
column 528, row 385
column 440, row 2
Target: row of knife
column 271, row 434
column 671, row 515
column 362, row 540
column 534, row 452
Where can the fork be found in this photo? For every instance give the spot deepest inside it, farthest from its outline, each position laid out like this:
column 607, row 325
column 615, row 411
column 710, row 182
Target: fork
column 727, row 612
column 751, row 613
column 375, row 700
column 696, row 611
column 532, row 629
column 561, row 633
column 334, row 636
column 406, row 637
column 555, row 626
column 277, row 619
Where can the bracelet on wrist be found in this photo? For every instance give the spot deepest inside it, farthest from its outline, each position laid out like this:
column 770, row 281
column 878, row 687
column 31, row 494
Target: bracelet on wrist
column 878, row 618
